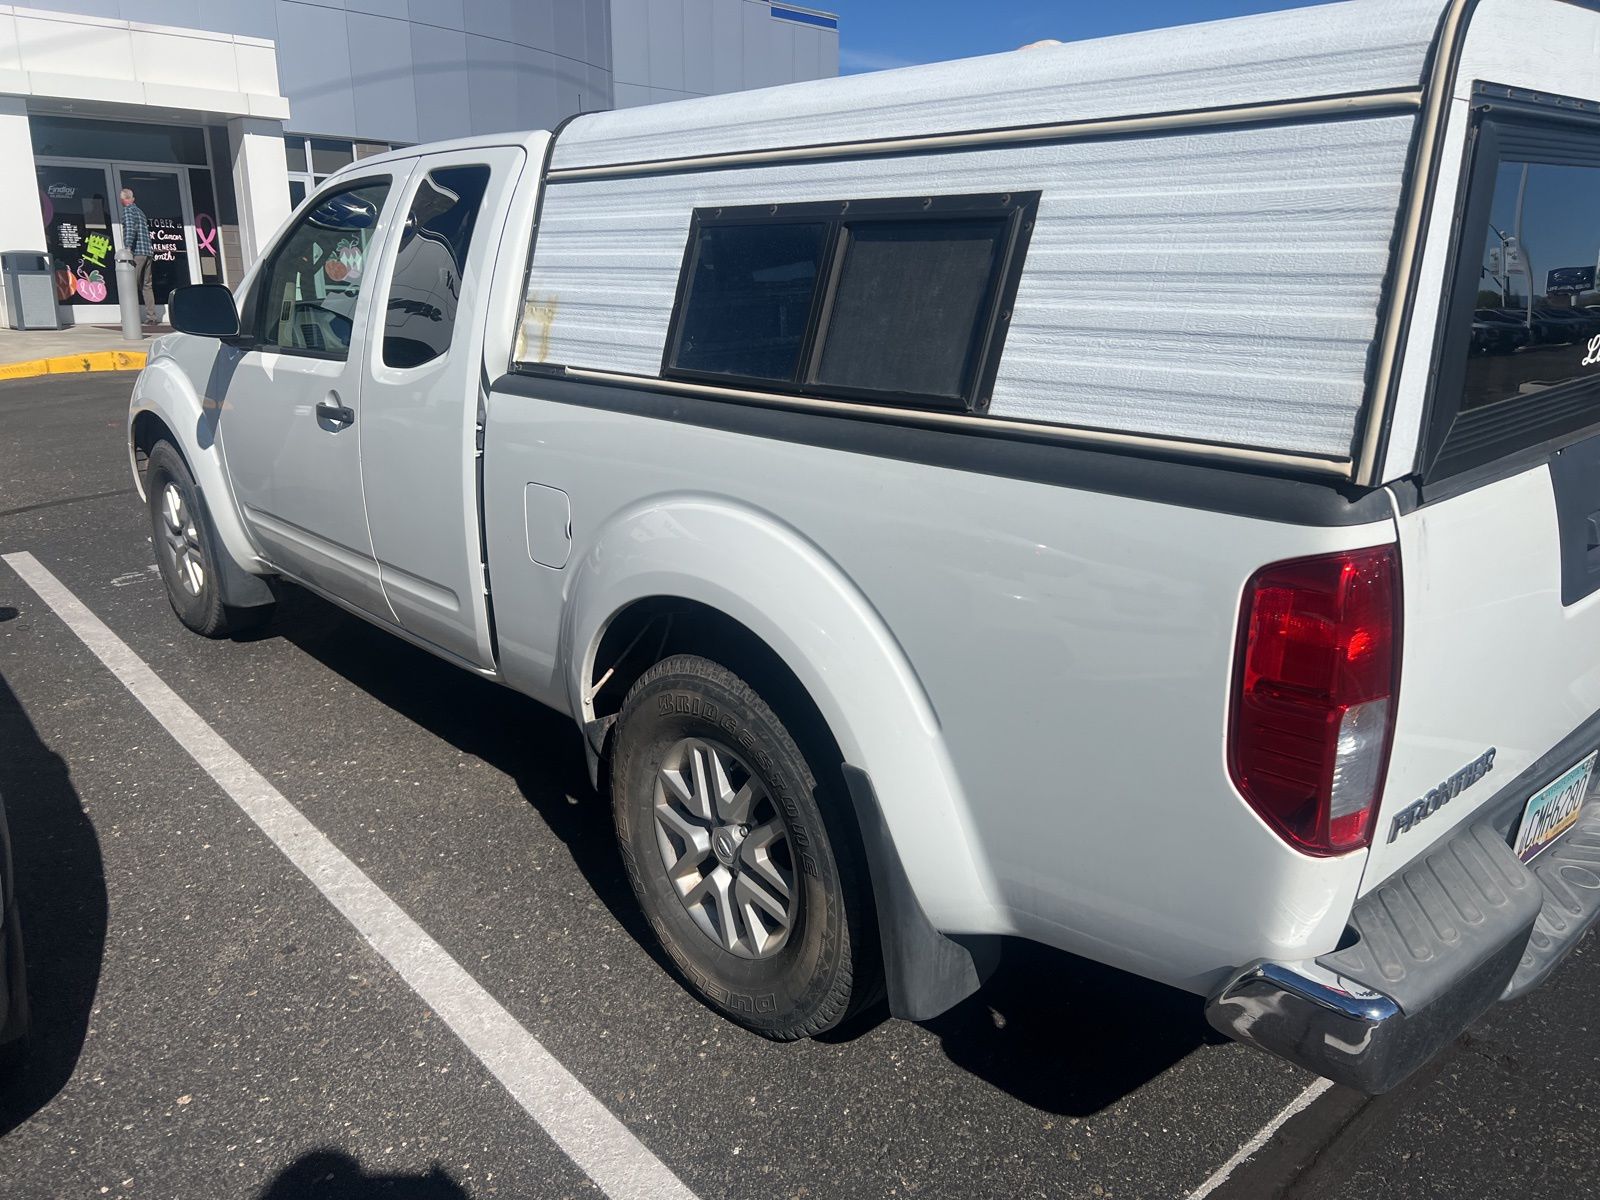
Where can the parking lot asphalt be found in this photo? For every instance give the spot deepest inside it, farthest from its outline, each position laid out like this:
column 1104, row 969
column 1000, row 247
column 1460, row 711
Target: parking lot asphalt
column 207, row 1024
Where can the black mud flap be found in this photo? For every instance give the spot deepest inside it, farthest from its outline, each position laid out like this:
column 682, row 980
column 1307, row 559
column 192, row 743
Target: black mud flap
column 926, row 972
column 240, row 589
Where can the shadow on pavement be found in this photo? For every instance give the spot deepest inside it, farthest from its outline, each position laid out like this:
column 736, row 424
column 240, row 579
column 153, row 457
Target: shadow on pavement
column 334, row 1175
column 61, row 895
column 1067, row 1035
column 540, row 750
column 1060, row 1033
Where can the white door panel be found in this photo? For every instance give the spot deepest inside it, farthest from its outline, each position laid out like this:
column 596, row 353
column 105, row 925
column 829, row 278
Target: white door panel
column 292, row 397
column 420, row 404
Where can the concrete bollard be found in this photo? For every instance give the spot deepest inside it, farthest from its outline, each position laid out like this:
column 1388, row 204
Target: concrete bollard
column 128, row 299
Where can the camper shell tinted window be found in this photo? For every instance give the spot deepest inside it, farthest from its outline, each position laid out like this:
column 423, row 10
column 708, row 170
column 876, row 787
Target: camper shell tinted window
column 748, row 298
column 899, row 301
column 911, row 304
column 1520, row 366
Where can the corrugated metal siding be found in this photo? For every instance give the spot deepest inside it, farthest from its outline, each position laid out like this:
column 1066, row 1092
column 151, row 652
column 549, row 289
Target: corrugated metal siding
column 1220, row 286
column 1361, row 45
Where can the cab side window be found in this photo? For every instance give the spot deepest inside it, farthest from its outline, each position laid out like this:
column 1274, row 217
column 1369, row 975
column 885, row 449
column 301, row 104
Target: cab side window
column 307, row 297
column 420, row 316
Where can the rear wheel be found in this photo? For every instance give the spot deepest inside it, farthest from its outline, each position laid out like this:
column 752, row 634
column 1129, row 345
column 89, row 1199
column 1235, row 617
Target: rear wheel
column 181, row 536
column 749, row 873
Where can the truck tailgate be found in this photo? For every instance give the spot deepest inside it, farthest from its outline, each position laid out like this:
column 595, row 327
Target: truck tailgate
column 1496, row 668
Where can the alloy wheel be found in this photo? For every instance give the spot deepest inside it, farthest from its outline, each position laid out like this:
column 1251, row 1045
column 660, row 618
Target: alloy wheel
column 725, row 848
column 183, row 540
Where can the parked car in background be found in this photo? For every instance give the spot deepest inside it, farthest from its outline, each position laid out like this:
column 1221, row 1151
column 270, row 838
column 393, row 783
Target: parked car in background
column 1540, row 330
column 887, row 477
column 1577, row 322
column 1495, row 333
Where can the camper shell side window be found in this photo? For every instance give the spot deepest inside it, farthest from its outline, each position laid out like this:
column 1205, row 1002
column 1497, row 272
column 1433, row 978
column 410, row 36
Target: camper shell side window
column 1519, row 365
column 900, row 301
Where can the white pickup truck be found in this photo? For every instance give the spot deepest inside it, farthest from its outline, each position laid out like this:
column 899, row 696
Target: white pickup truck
column 1140, row 495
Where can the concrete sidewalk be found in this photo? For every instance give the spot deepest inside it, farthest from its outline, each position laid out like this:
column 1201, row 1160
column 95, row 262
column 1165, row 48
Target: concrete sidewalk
column 29, row 352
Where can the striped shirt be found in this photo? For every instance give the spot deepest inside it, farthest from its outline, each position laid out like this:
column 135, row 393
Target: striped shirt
column 135, row 230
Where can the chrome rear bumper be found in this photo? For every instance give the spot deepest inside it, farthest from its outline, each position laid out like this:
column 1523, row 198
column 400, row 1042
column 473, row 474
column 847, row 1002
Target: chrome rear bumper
column 1431, row 949
column 1345, row 1030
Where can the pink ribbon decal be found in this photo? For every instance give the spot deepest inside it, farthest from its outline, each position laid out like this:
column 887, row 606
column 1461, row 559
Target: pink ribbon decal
column 206, row 233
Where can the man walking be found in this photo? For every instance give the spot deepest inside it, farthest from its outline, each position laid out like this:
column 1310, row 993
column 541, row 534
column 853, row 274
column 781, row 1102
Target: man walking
column 136, row 240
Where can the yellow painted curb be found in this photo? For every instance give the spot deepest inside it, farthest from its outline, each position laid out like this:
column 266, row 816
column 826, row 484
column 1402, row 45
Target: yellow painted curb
column 75, row 364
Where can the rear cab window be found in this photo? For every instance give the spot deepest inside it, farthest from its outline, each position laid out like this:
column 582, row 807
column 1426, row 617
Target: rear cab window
column 431, row 263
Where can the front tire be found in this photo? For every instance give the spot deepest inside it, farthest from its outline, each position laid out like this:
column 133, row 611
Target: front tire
column 750, row 874
column 180, row 533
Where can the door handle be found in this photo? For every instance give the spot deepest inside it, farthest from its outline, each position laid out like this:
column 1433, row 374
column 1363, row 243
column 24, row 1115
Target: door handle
column 336, row 414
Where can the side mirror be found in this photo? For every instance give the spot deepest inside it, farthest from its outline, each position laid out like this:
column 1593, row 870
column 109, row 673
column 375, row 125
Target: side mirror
column 203, row 309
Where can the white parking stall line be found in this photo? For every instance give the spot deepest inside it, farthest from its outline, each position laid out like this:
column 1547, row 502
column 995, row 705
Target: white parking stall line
column 585, row 1130
column 1263, row 1135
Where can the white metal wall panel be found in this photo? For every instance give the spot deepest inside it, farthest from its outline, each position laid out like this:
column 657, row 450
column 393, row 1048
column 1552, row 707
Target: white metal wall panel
column 1219, row 286
column 727, row 48
column 1356, row 46
column 630, row 43
column 666, row 45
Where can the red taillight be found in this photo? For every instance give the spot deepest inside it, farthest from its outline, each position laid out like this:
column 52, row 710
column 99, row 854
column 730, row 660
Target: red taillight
column 1314, row 695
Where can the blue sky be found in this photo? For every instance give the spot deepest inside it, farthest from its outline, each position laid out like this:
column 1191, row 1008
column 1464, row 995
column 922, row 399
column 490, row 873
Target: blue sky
column 875, row 34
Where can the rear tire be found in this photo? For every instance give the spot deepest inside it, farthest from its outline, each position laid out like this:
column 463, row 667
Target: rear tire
column 182, row 537
column 750, row 874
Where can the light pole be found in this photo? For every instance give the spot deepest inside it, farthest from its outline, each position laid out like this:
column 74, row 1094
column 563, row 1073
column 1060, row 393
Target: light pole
column 127, row 287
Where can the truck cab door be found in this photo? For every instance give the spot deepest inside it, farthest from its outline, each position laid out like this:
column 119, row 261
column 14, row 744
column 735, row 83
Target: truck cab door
column 290, row 393
column 420, row 408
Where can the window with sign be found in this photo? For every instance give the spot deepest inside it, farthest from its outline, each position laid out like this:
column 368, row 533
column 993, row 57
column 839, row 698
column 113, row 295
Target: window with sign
column 306, row 298
column 1522, row 361
column 78, row 207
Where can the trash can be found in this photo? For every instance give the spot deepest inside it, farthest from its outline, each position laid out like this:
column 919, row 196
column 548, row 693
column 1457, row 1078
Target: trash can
column 30, row 290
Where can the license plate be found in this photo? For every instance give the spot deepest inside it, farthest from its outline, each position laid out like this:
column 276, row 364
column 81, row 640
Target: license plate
column 1554, row 810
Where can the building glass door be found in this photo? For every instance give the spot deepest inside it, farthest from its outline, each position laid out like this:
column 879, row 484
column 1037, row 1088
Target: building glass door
column 78, row 201
column 163, row 195
column 78, row 204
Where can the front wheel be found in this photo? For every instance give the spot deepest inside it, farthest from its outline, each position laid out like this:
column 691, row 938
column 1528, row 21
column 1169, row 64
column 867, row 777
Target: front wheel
column 750, row 874
column 181, row 536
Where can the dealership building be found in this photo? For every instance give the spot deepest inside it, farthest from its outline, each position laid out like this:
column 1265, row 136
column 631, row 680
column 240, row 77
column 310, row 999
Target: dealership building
column 221, row 115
